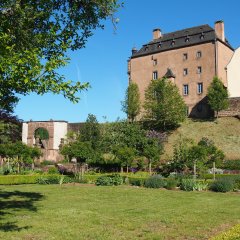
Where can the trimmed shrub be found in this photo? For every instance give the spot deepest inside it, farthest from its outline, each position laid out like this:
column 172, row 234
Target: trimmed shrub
column 136, row 181
column 232, row 234
column 109, row 180
column 171, row 183
column 49, row 179
column 104, row 181
column 222, row 185
column 156, row 181
column 210, row 176
column 18, row 179
column 53, row 170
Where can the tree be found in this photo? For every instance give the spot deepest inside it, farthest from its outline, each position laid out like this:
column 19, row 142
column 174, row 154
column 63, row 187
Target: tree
column 217, row 96
column 125, row 155
column 90, row 131
column 10, row 127
column 164, row 106
column 152, row 151
column 131, row 105
column 35, row 36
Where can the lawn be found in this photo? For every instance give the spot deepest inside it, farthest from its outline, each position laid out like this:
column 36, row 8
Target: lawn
column 124, row 212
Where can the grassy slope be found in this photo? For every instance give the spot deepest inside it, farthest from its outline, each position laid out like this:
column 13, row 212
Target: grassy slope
column 225, row 134
column 104, row 213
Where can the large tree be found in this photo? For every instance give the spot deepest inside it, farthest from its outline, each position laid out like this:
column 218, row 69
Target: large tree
column 131, row 105
column 217, row 96
column 35, row 36
column 164, row 106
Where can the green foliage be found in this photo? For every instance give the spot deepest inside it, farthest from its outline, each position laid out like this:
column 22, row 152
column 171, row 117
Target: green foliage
column 53, row 170
column 125, row 155
column 231, row 164
column 155, row 181
column 222, row 185
column 90, row 131
column 137, row 181
column 35, row 37
column 231, row 234
column 164, row 106
column 109, row 180
column 131, row 105
column 188, row 184
column 29, row 179
column 10, row 127
column 47, row 162
column 217, row 95
column 41, row 133
column 82, row 151
column 171, row 183
column 50, row 179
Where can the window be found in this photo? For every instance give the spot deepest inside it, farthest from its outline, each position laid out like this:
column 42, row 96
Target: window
column 185, row 56
column 200, row 88
column 185, row 71
column 146, row 48
column 187, row 39
column 154, row 62
column 199, row 70
column 199, row 54
column 185, row 89
column 160, row 45
column 155, row 75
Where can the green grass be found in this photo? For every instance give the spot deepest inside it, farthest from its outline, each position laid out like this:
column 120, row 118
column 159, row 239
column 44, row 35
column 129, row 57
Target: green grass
column 225, row 134
column 90, row 212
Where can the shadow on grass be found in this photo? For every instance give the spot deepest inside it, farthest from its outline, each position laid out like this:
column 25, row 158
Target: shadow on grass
column 13, row 202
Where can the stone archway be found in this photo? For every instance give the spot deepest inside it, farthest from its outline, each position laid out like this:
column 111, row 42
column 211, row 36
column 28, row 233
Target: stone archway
column 41, row 140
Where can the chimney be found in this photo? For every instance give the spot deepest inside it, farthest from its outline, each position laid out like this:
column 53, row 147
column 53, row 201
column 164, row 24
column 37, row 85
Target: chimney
column 134, row 50
column 157, row 33
column 219, row 30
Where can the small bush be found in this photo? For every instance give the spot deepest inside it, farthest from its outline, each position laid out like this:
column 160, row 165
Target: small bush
column 156, row 181
column 48, row 179
column 104, row 181
column 222, row 185
column 109, row 180
column 200, row 185
column 188, row 184
column 231, row 164
column 47, row 162
column 53, row 170
column 171, row 183
column 136, row 181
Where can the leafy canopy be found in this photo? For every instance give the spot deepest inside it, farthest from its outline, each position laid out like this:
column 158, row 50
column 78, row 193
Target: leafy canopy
column 35, row 36
column 131, row 105
column 164, row 106
column 217, row 95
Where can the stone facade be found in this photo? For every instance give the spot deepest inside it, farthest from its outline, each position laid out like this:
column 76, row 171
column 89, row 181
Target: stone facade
column 193, row 55
column 57, row 130
column 233, row 110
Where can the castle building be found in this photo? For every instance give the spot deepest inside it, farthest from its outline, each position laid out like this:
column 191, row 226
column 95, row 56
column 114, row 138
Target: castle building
column 190, row 58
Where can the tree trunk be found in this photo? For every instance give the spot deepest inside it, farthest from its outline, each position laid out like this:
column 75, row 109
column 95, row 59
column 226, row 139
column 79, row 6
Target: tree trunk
column 121, row 169
column 194, row 170
column 127, row 168
column 214, row 177
column 33, row 166
column 150, row 168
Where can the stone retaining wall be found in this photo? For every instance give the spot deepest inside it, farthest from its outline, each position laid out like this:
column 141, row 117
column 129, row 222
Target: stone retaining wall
column 233, row 110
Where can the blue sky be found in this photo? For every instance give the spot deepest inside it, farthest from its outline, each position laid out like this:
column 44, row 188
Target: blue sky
column 103, row 63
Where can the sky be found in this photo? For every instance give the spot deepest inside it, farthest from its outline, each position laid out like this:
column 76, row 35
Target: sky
column 103, row 62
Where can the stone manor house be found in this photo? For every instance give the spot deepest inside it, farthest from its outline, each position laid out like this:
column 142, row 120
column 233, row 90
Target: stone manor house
column 190, row 58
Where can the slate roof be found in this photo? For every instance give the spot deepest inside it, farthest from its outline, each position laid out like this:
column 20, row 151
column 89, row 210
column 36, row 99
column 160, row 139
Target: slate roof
column 183, row 38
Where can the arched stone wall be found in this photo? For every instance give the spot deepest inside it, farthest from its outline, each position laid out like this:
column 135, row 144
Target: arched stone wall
column 56, row 131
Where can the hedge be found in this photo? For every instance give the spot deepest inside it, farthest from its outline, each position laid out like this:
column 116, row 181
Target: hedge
column 232, row 234
column 137, row 181
column 22, row 179
column 210, row 176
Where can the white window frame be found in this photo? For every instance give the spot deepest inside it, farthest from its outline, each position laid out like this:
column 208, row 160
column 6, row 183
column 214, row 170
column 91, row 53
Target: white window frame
column 200, row 88
column 199, row 70
column 155, row 75
column 155, row 62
